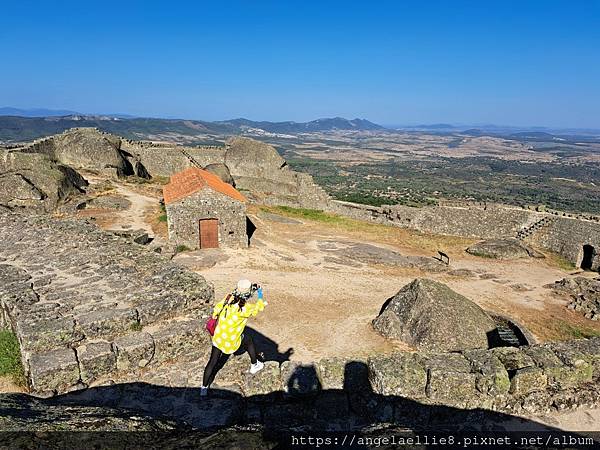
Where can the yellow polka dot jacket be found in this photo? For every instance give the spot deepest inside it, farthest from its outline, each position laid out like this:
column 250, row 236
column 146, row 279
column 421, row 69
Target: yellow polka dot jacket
column 231, row 324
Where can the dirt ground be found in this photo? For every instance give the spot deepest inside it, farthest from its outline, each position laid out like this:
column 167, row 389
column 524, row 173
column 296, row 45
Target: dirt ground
column 142, row 213
column 7, row 384
column 322, row 306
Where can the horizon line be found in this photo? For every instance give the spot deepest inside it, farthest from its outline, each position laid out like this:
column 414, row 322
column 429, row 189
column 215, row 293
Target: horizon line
column 386, row 124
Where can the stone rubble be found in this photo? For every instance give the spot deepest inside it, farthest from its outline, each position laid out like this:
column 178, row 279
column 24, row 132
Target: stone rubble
column 584, row 294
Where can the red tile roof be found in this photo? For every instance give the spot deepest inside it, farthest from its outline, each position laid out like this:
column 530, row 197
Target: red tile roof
column 192, row 180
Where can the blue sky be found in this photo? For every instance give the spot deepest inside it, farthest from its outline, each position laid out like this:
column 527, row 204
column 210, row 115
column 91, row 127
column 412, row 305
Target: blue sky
column 401, row 62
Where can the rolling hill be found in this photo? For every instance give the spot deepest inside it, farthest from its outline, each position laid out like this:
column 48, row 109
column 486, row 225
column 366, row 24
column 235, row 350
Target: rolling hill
column 17, row 128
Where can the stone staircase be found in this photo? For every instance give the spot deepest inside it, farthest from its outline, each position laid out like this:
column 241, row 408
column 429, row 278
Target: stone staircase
column 507, row 336
column 526, row 232
column 87, row 305
column 192, row 160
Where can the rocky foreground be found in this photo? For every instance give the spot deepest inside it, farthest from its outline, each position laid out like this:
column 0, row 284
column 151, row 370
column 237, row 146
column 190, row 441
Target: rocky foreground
column 471, row 390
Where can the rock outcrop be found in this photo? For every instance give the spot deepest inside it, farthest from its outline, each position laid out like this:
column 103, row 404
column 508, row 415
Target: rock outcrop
column 503, row 249
column 354, row 254
column 22, row 413
column 84, row 148
column 250, row 165
column 222, row 171
column 429, row 315
column 86, row 304
column 258, row 168
column 248, row 158
column 35, row 181
column 584, row 294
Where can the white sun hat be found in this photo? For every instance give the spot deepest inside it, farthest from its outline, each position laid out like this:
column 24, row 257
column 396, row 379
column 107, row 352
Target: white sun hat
column 243, row 286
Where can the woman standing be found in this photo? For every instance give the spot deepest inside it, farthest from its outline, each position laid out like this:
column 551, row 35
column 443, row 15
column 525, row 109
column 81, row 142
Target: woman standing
column 232, row 314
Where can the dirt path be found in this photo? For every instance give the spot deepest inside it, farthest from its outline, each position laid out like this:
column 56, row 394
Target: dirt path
column 134, row 217
column 143, row 207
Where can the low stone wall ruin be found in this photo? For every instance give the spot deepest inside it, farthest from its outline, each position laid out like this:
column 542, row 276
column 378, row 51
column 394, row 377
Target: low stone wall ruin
column 538, row 378
column 563, row 235
column 411, row 390
column 87, row 304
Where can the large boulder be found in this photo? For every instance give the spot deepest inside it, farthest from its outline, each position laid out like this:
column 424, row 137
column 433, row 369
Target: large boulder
column 252, row 159
column 85, row 148
column 503, row 249
column 34, row 181
column 429, row 315
column 257, row 168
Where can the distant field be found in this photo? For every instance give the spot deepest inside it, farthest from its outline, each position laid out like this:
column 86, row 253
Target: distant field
column 417, row 182
column 421, row 169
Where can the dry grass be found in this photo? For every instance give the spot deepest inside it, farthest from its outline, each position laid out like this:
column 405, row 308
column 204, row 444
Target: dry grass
column 159, row 226
column 558, row 323
column 387, row 234
column 558, row 261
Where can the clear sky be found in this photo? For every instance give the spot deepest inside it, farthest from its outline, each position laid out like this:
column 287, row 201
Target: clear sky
column 398, row 62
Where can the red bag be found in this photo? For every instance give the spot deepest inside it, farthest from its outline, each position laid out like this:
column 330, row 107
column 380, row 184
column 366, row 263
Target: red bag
column 211, row 325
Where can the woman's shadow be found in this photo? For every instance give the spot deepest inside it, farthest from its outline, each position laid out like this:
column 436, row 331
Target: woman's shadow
column 267, row 350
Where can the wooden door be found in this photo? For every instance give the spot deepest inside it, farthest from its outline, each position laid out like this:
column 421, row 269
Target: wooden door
column 209, row 233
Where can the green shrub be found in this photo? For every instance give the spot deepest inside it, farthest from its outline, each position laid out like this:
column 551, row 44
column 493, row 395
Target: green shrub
column 311, row 214
column 578, row 332
column 182, row 248
column 10, row 357
column 135, row 326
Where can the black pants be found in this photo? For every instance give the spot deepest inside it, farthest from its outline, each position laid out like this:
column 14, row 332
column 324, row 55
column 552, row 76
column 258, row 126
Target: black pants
column 218, row 359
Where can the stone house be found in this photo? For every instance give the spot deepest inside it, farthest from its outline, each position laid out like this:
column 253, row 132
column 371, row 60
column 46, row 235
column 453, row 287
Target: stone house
column 205, row 212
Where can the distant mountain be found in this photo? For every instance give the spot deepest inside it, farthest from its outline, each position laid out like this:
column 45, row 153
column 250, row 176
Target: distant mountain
column 35, row 112
column 336, row 123
column 14, row 128
column 43, row 112
column 534, row 135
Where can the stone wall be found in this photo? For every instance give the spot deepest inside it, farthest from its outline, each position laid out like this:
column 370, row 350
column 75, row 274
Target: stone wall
column 567, row 237
column 560, row 234
column 485, row 221
column 87, row 304
column 165, row 160
column 413, row 390
column 539, row 378
column 183, row 216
